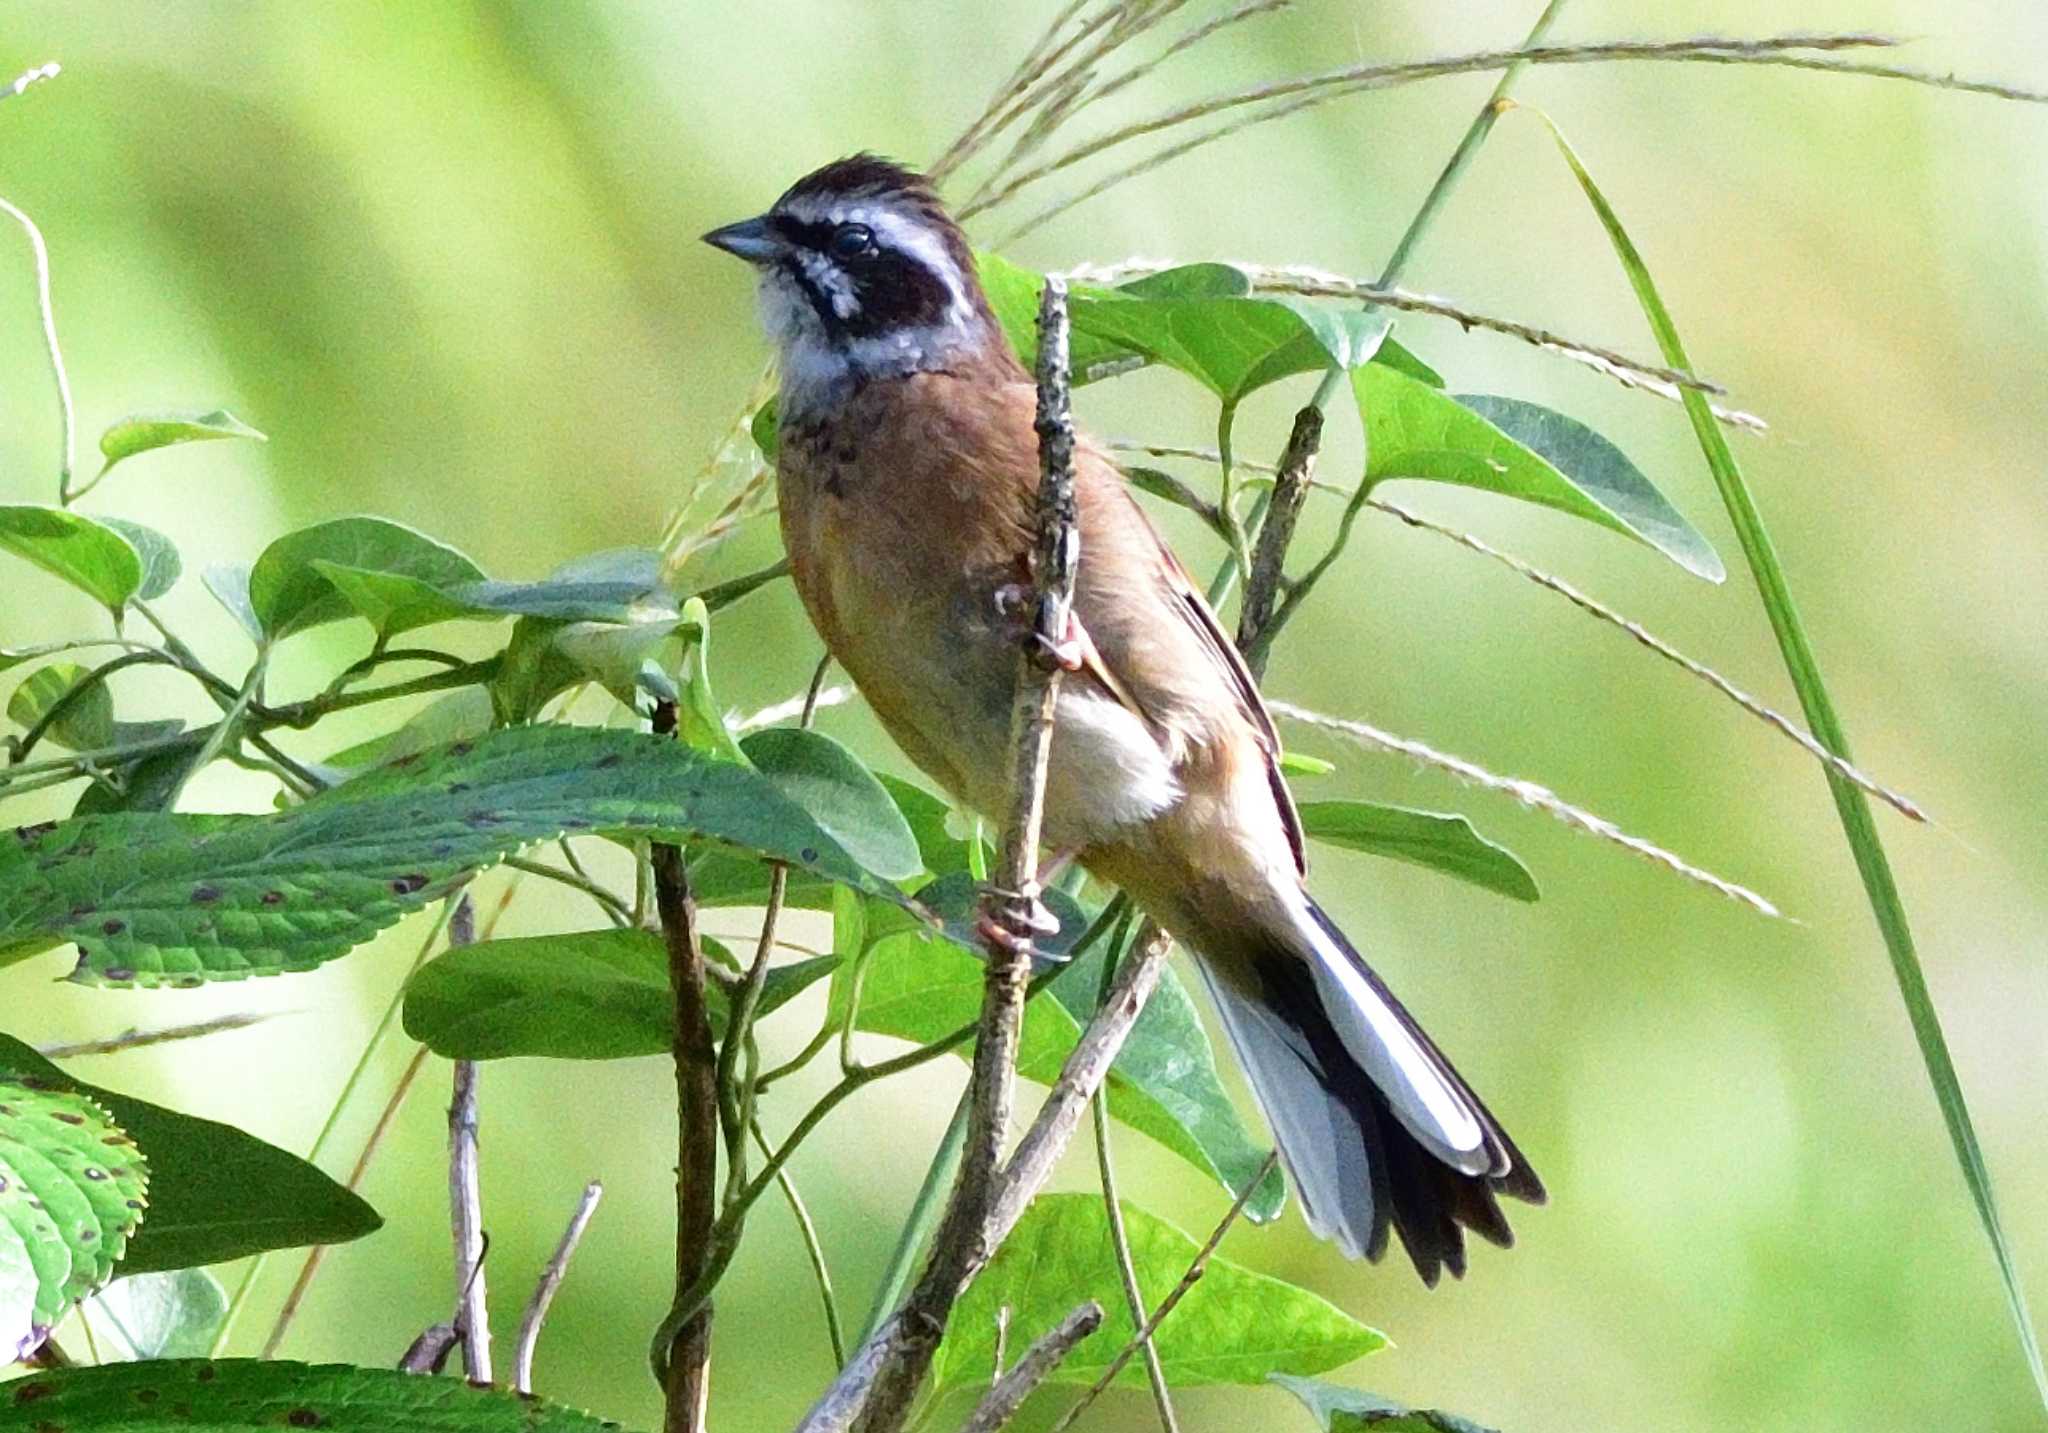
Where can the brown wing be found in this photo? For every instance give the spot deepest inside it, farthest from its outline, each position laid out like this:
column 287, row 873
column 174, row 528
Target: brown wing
column 1155, row 587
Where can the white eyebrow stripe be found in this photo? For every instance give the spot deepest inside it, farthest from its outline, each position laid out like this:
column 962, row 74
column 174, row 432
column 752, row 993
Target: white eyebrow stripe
column 894, row 229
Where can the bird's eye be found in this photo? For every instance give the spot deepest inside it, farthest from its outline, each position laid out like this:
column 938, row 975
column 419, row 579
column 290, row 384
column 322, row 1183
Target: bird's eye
column 850, row 241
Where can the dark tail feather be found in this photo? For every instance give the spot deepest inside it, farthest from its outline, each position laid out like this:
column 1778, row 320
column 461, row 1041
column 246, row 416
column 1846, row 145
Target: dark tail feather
column 1310, row 1036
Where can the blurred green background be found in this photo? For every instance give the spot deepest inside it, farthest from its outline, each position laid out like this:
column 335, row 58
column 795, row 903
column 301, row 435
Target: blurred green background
column 445, row 255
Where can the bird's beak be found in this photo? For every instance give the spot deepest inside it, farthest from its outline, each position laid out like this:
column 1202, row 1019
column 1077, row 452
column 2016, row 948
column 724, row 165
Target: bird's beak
column 750, row 239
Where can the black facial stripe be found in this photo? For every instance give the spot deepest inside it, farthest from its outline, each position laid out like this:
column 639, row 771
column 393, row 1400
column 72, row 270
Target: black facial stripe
column 892, row 289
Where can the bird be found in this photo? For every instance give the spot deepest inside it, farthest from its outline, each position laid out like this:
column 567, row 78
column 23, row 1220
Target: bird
column 907, row 474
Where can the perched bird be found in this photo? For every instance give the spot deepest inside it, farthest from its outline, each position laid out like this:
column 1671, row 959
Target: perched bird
column 908, row 473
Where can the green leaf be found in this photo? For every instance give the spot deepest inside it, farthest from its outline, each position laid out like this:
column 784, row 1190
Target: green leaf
column 766, row 430
column 394, row 602
column 147, row 783
column 698, row 719
column 1234, row 1326
column 594, row 995
column 1442, row 842
column 1602, row 470
column 841, row 795
column 1296, row 763
column 623, row 585
column 1415, row 431
column 461, row 715
column 161, row 565
column 243, row 1395
column 169, row 1315
column 942, row 853
column 85, row 725
column 229, row 584
column 140, row 432
column 215, row 1193
column 72, row 1189
column 89, row 555
column 288, row 592
column 1851, row 806
column 1198, row 319
column 1346, row 1410
column 1163, row 1084
column 177, row 899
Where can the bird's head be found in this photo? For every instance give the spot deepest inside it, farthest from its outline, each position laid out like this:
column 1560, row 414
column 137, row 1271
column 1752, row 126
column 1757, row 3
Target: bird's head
column 863, row 275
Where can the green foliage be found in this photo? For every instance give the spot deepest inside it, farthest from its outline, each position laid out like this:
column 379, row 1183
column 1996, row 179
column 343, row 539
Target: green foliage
column 370, row 566
column 72, row 1190
column 176, row 1314
column 240, row 1395
column 1234, row 1326
column 1415, row 431
column 215, row 1192
column 142, row 432
column 592, row 995
column 168, row 899
column 1440, row 842
column 89, row 555
column 1345, row 1410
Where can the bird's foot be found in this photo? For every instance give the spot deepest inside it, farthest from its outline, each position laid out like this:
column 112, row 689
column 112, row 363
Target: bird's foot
column 1016, row 604
column 1014, row 920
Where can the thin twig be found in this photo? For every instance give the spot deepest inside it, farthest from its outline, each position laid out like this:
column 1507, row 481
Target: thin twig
column 1196, row 1268
column 55, row 353
column 465, row 1192
column 1001, row 1403
column 162, row 1035
column 682, row 1346
column 814, row 1250
column 777, row 713
column 1290, row 490
column 1780, row 723
column 1126, row 1268
column 1529, row 793
column 551, row 1277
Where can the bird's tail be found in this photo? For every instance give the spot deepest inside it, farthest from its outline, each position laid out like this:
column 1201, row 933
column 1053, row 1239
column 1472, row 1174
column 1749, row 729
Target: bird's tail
column 1374, row 1125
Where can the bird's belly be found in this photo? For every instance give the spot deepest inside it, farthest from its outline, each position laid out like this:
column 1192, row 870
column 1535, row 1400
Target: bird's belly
column 938, row 666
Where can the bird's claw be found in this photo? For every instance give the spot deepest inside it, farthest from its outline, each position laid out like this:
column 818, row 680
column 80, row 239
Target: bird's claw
column 1015, row 921
column 1015, row 602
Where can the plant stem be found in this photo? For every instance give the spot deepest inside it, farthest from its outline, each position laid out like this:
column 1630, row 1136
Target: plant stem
column 683, row 1344
column 923, row 1218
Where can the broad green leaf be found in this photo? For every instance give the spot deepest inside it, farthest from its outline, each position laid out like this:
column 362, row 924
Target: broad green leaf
column 1346, row 1410
column 458, row 716
column 1177, row 1098
column 175, row 1314
column 1415, row 431
column 531, row 671
column 942, row 852
column 1013, row 296
column 594, row 995
column 177, row 899
column 623, row 585
column 1164, row 1081
column 244, row 1395
column 1603, row 471
column 215, row 1193
column 72, row 1189
column 1442, row 842
column 140, row 432
column 1191, row 281
column 1234, row 1326
column 394, row 602
column 288, row 592
column 841, row 795
column 86, row 724
column 1852, row 807
column 89, row 555
column 161, row 565
column 229, row 584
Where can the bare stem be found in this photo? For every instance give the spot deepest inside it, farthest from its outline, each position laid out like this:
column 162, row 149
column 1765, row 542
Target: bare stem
column 41, row 253
column 1002, row 1402
column 1196, row 1268
column 1126, row 1268
column 465, row 1193
column 683, row 1345
column 551, row 1276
